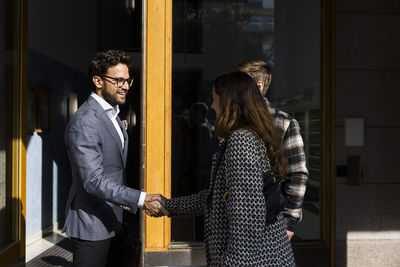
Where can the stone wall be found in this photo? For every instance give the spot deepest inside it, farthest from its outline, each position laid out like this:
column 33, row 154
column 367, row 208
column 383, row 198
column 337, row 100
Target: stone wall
column 367, row 86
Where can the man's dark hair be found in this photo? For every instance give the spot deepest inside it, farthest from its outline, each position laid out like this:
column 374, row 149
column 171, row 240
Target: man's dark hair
column 103, row 60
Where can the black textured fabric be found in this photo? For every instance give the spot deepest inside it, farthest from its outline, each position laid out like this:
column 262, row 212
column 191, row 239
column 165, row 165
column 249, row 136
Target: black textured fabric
column 274, row 199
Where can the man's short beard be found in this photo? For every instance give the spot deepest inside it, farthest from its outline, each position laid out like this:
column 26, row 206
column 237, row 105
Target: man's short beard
column 107, row 97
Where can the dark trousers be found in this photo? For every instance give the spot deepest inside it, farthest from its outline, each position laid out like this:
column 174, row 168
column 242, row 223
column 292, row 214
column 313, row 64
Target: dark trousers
column 97, row 253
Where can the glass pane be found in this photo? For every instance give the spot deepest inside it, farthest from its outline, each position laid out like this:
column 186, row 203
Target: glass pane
column 3, row 166
column 96, row 26
column 211, row 37
column 8, row 93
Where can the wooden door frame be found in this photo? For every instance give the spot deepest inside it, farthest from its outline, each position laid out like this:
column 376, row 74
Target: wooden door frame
column 157, row 134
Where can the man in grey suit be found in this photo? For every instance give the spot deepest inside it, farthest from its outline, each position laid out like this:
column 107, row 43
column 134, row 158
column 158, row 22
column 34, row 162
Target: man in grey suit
column 97, row 145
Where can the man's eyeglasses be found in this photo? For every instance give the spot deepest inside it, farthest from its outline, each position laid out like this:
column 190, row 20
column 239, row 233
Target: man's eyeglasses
column 119, row 82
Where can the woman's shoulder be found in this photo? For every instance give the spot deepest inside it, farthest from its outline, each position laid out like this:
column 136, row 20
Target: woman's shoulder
column 243, row 144
column 243, row 132
column 243, row 135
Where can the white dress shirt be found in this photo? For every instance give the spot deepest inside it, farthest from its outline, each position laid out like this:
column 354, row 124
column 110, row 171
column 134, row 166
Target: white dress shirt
column 112, row 113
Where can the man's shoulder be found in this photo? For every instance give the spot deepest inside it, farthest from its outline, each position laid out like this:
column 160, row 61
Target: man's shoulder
column 84, row 115
column 285, row 123
column 281, row 115
column 277, row 113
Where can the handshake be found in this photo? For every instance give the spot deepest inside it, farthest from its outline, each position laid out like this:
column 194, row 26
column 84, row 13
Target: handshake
column 154, row 205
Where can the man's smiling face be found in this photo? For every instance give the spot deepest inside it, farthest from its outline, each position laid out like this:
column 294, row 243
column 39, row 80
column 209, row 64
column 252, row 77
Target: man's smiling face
column 109, row 90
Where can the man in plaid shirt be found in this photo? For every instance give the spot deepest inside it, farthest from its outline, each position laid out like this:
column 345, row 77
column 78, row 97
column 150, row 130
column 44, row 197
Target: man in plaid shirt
column 289, row 128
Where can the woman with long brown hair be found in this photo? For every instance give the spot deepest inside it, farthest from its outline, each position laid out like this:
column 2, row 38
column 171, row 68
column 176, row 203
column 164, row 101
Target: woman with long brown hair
column 236, row 232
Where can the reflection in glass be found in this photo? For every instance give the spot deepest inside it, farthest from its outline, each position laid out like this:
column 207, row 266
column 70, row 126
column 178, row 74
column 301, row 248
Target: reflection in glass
column 3, row 166
column 295, row 89
column 211, row 37
column 8, row 91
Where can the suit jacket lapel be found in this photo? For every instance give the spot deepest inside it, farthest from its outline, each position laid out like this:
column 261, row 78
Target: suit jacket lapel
column 125, row 152
column 102, row 116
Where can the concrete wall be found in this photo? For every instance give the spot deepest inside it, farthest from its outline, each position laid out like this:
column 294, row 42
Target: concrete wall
column 367, row 86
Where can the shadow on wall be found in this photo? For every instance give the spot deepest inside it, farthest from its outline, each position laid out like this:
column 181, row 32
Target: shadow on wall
column 48, row 169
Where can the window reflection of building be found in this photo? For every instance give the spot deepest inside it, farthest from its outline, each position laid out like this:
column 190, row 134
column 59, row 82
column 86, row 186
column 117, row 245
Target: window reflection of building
column 295, row 89
column 9, row 92
column 212, row 37
column 209, row 38
column 3, row 166
column 194, row 144
column 202, row 145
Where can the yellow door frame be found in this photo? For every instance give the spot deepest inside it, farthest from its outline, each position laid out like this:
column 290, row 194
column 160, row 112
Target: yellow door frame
column 158, row 66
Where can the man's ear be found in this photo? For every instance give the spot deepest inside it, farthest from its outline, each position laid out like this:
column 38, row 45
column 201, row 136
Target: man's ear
column 97, row 81
column 260, row 85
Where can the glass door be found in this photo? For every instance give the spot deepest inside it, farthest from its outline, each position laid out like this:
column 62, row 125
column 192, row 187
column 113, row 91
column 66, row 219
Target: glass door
column 11, row 227
column 212, row 37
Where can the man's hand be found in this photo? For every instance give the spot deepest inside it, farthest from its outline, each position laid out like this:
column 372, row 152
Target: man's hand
column 154, row 205
column 290, row 234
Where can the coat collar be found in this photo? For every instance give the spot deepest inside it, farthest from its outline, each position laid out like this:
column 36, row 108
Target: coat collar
column 103, row 117
column 104, row 104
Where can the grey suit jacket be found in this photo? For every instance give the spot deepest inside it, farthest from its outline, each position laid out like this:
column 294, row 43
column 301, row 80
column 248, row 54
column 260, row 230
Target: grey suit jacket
column 98, row 162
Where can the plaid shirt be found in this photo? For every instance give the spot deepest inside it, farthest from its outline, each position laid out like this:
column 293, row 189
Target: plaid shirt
column 295, row 187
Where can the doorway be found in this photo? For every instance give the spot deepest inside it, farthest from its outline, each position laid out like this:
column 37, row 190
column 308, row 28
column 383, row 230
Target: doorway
column 60, row 45
column 212, row 37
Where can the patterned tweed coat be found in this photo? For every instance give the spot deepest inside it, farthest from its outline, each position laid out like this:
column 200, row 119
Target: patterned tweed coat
column 235, row 232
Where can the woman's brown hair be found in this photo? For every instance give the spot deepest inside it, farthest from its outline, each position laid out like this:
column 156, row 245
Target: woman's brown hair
column 242, row 106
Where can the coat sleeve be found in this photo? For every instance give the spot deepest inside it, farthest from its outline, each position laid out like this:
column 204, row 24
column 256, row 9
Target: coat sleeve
column 245, row 202
column 187, row 206
column 84, row 149
column 295, row 188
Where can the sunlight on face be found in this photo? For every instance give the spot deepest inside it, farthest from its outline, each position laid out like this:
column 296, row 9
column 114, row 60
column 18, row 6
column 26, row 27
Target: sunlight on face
column 110, row 92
